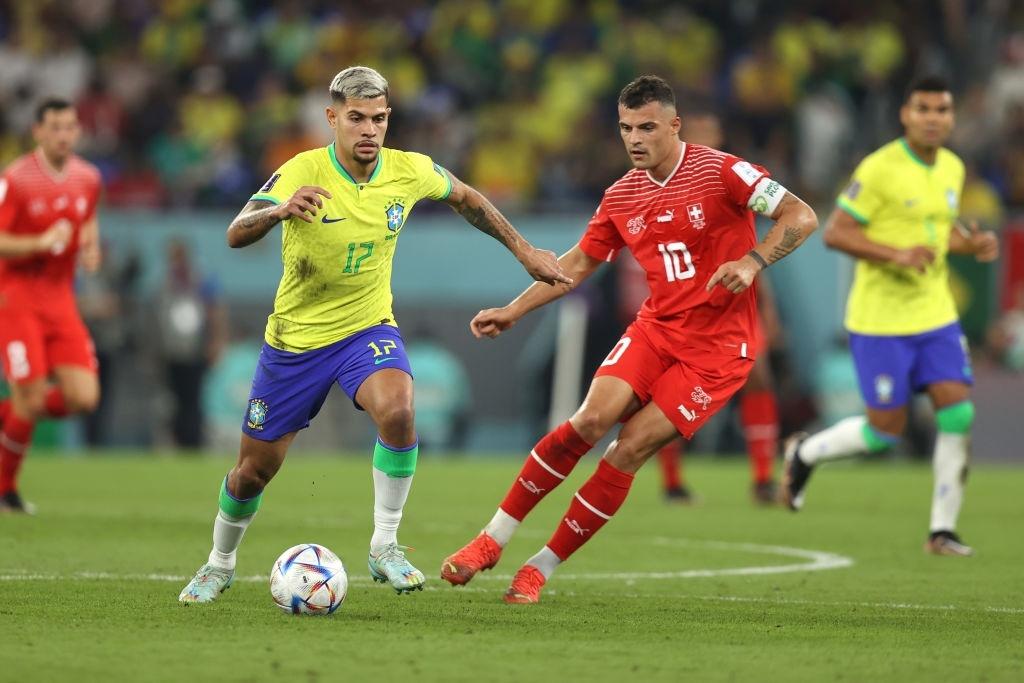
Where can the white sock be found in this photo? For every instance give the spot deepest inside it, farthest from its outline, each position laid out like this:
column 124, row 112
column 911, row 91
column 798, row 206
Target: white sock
column 501, row 527
column 843, row 439
column 546, row 561
column 389, row 496
column 227, row 536
column 950, row 467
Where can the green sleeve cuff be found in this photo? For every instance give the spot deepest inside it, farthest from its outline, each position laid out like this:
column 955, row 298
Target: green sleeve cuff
column 848, row 208
column 447, row 180
column 264, row 198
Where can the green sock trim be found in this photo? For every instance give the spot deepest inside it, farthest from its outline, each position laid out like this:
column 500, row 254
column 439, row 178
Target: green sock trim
column 394, row 462
column 877, row 441
column 230, row 505
column 956, row 419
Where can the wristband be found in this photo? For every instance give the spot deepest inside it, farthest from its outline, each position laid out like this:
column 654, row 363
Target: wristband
column 757, row 257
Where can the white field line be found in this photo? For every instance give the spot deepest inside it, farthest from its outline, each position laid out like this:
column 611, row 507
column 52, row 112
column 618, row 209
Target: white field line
column 181, row 578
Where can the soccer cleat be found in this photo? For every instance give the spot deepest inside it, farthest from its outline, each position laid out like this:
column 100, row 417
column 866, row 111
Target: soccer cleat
column 207, row 584
column 947, row 543
column 483, row 552
column 526, row 586
column 13, row 503
column 795, row 473
column 389, row 565
column 764, row 492
column 680, row 495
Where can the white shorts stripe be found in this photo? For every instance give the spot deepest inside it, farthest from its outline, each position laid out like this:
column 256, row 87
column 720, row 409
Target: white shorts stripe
column 11, row 445
column 545, row 465
column 743, row 350
column 591, row 507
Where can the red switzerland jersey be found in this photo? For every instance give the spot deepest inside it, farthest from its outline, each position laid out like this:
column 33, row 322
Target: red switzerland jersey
column 32, row 198
column 680, row 231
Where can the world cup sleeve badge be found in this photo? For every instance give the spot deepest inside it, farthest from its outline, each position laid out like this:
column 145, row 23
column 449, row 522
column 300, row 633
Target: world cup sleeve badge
column 395, row 212
column 257, row 414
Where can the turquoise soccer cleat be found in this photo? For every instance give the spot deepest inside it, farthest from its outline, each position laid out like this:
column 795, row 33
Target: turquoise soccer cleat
column 389, row 564
column 207, row 584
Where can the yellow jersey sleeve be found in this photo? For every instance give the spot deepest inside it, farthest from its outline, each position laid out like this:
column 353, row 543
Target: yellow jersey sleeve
column 433, row 181
column 292, row 175
column 863, row 197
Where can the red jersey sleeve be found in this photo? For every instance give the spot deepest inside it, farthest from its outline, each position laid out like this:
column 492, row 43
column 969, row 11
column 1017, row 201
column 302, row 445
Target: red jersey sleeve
column 741, row 177
column 9, row 203
column 601, row 240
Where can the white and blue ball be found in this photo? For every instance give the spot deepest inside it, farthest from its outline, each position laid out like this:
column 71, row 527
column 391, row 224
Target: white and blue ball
column 308, row 579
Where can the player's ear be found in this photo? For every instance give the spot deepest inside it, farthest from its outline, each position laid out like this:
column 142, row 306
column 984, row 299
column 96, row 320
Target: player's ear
column 332, row 116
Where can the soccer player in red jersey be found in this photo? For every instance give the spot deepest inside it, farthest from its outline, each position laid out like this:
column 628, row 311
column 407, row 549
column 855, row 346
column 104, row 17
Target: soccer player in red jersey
column 48, row 225
column 685, row 212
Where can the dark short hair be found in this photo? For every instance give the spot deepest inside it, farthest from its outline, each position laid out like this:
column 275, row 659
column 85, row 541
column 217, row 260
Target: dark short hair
column 51, row 104
column 647, row 89
column 930, row 83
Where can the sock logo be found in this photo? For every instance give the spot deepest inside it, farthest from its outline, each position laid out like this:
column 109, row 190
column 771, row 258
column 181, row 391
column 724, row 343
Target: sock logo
column 531, row 487
column 575, row 526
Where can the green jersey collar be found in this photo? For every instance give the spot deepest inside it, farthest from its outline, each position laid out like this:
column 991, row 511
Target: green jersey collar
column 348, row 176
column 906, row 147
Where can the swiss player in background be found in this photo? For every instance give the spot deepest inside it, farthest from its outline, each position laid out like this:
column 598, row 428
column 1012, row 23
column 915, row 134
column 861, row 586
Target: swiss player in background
column 759, row 413
column 48, row 225
column 685, row 212
column 898, row 218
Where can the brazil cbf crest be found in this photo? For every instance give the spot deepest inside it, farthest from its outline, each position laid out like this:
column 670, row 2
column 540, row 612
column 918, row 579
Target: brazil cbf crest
column 395, row 212
column 257, row 414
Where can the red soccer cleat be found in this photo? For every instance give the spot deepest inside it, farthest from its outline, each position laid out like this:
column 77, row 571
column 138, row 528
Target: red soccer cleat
column 526, row 586
column 483, row 552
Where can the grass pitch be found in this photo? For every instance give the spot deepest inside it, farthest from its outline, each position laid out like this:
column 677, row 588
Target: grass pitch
column 88, row 587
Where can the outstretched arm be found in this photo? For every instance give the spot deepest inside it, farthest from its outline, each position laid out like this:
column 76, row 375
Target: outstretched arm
column 794, row 223
column 576, row 264
column 258, row 217
column 482, row 215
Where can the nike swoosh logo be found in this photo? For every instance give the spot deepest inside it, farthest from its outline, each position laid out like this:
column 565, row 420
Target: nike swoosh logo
column 325, row 219
column 383, row 360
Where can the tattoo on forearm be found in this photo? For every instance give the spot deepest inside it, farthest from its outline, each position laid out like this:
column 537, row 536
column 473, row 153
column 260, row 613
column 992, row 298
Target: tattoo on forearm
column 790, row 239
column 489, row 221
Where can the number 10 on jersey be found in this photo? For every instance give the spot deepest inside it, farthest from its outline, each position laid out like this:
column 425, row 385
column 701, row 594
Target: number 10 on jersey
column 674, row 270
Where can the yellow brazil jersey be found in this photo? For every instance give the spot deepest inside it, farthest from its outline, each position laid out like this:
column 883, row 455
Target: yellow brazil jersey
column 903, row 202
column 337, row 269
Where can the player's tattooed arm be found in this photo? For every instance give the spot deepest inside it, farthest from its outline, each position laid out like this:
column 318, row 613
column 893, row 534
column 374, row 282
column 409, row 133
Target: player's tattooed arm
column 257, row 218
column 541, row 264
column 794, row 223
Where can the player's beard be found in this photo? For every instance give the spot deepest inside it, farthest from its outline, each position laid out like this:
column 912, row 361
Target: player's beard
column 365, row 156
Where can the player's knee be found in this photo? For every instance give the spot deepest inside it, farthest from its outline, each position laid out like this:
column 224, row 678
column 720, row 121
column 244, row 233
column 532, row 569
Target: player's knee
column 250, row 478
column 30, row 404
column 82, row 400
column 396, row 423
column 956, row 419
column 627, row 454
column 590, row 424
column 879, row 439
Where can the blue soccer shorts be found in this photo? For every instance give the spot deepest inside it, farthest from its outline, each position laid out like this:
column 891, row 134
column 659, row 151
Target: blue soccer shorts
column 288, row 389
column 892, row 368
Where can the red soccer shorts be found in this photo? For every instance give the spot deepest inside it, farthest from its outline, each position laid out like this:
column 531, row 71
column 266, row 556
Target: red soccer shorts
column 688, row 386
column 34, row 342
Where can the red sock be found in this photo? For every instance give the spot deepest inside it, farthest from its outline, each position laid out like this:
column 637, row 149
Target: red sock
column 55, row 405
column 598, row 499
column 670, row 458
column 14, row 442
column 550, row 462
column 760, row 416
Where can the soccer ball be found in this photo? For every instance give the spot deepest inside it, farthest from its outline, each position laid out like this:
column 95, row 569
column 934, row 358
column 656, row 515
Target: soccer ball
column 308, row 579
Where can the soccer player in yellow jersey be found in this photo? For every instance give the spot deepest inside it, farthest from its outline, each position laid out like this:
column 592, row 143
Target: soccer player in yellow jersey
column 898, row 218
column 342, row 209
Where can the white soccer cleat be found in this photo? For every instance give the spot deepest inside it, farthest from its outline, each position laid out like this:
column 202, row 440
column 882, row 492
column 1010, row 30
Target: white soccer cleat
column 208, row 583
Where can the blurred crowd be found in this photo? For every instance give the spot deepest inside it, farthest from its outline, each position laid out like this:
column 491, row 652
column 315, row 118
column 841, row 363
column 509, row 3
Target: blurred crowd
column 193, row 102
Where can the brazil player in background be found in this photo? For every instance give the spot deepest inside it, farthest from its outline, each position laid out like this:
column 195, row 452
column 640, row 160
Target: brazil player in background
column 342, row 209
column 898, row 218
